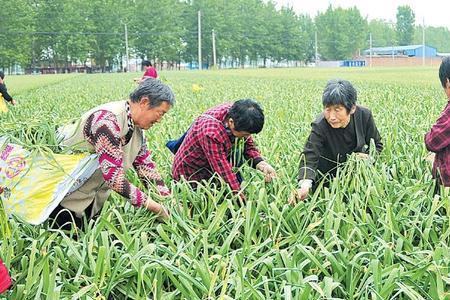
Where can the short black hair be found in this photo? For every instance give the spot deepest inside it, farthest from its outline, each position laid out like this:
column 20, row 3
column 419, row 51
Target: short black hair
column 146, row 63
column 247, row 115
column 2, row 75
column 444, row 71
column 155, row 90
column 339, row 92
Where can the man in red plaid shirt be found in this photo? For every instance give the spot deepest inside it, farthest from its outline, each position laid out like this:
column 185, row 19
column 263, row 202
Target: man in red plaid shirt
column 207, row 148
column 437, row 140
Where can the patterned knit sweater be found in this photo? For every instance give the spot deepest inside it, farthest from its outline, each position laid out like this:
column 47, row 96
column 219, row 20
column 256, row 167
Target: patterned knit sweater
column 103, row 132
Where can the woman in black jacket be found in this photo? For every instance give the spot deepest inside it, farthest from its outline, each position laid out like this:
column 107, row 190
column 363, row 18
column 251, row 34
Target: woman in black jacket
column 341, row 129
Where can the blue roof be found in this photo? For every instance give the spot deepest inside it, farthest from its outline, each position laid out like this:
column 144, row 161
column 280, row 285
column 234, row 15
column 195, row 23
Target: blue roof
column 398, row 48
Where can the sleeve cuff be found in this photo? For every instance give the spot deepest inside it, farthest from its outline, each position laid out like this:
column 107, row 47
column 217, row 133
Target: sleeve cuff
column 305, row 183
column 256, row 161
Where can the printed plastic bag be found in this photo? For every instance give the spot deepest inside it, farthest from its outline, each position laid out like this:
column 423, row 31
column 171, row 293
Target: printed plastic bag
column 3, row 106
column 32, row 184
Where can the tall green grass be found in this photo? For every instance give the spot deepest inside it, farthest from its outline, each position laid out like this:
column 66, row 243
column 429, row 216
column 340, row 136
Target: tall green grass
column 377, row 232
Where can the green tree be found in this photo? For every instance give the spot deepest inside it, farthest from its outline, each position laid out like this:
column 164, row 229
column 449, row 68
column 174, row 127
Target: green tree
column 405, row 25
column 17, row 20
column 306, row 48
column 268, row 32
column 289, row 36
column 50, row 38
column 437, row 37
column 157, row 29
column 218, row 15
column 341, row 33
column 383, row 33
column 107, row 39
column 75, row 47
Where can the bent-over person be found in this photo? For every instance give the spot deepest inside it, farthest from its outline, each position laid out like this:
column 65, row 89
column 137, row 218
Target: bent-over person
column 115, row 132
column 211, row 145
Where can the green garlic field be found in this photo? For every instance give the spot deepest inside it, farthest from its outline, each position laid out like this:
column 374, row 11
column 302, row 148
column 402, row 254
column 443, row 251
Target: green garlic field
column 378, row 231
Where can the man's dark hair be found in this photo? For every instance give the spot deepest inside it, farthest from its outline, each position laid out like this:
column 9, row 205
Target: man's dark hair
column 155, row 90
column 247, row 115
column 444, row 71
column 339, row 92
column 146, row 63
column 2, row 75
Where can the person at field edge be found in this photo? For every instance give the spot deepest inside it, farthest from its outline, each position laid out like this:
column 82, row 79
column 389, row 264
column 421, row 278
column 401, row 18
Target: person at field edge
column 341, row 129
column 437, row 140
column 150, row 71
column 115, row 131
column 5, row 280
column 218, row 142
column 4, row 91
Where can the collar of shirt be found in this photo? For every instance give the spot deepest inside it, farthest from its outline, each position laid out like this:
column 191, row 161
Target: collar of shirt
column 126, row 139
column 129, row 119
column 230, row 135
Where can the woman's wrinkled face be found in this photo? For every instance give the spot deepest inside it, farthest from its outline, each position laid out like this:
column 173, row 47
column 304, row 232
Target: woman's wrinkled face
column 145, row 117
column 337, row 115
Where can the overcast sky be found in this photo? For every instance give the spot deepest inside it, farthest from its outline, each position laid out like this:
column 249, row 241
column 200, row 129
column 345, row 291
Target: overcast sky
column 436, row 13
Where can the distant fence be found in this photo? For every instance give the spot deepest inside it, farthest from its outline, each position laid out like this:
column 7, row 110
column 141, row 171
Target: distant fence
column 341, row 63
column 70, row 69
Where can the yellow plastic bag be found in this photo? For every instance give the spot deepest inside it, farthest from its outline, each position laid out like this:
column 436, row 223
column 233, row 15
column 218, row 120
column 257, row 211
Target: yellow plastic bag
column 3, row 106
column 32, row 184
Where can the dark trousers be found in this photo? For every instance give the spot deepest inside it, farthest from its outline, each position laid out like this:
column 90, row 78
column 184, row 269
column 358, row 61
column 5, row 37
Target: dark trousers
column 62, row 218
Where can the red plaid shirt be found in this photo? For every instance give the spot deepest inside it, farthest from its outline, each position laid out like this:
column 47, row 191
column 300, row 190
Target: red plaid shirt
column 205, row 149
column 438, row 140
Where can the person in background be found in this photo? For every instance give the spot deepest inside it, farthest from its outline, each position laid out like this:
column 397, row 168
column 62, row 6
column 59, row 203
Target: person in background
column 115, row 132
column 211, row 145
column 4, row 92
column 341, row 129
column 5, row 280
column 437, row 140
column 150, row 71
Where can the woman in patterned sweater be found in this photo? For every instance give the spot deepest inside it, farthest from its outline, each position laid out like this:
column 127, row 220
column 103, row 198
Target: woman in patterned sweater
column 114, row 131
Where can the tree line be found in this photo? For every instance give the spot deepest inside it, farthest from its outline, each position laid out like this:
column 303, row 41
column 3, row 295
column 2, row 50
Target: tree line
column 58, row 33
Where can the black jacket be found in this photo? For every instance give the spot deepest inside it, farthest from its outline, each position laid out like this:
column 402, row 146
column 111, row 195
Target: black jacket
column 4, row 92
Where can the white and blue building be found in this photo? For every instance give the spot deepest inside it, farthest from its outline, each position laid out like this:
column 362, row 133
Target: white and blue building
column 409, row 51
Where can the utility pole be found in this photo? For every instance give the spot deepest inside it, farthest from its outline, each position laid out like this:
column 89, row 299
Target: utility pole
column 214, row 47
column 317, row 53
column 371, row 49
column 199, row 40
column 126, row 49
column 423, row 43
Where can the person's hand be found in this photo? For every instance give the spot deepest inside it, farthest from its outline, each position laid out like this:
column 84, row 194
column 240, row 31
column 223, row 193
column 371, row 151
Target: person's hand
column 430, row 157
column 241, row 198
column 13, row 102
column 298, row 195
column 164, row 213
column 268, row 170
column 362, row 155
column 158, row 209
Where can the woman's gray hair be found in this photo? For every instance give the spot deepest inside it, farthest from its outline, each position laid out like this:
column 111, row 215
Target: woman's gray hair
column 155, row 90
column 339, row 92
